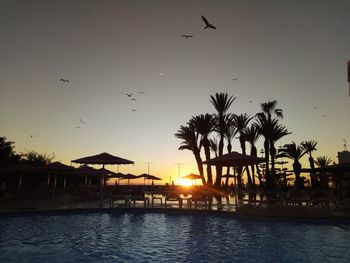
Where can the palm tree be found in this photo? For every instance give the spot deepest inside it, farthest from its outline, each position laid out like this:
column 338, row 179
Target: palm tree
column 214, row 146
column 204, row 125
column 241, row 122
column 323, row 161
column 189, row 138
column 230, row 133
column 278, row 131
column 264, row 127
column 222, row 103
column 294, row 152
column 252, row 135
column 309, row 147
column 265, row 124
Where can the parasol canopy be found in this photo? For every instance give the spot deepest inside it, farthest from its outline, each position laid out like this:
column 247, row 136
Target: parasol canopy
column 20, row 167
column 102, row 158
column 129, row 177
column 234, row 159
column 58, row 166
column 192, row 177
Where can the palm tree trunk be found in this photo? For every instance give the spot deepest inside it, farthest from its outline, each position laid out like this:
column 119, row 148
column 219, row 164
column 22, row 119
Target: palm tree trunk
column 219, row 168
column 267, row 160
column 229, row 149
column 273, row 171
column 207, row 156
column 312, row 173
column 200, row 167
column 253, row 152
column 297, row 168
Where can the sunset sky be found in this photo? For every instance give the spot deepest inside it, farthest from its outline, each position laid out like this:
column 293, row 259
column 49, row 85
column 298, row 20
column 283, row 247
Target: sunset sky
column 292, row 51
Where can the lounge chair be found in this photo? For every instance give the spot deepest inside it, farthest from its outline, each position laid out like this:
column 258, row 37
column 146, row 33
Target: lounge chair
column 198, row 198
column 118, row 195
column 139, row 195
column 173, row 197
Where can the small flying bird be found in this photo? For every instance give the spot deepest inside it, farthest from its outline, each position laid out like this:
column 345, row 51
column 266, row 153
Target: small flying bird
column 129, row 95
column 32, row 136
column 83, row 122
column 141, row 92
column 235, row 79
column 186, row 36
column 133, row 99
column 207, row 24
column 64, row 80
column 133, row 109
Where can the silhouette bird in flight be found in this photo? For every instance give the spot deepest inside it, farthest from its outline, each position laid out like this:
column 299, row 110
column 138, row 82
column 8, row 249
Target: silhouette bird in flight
column 186, row 36
column 129, row 95
column 141, row 92
column 83, row 122
column 133, row 109
column 133, row 99
column 64, row 80
column 32, row 136
column 207, row 24
column 235, row 79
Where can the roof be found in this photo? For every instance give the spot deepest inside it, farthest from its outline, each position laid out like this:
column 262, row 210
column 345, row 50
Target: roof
column 234, row 159
column 102, row 158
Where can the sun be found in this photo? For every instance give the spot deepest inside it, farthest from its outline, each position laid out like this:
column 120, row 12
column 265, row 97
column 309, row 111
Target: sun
column 184, row 182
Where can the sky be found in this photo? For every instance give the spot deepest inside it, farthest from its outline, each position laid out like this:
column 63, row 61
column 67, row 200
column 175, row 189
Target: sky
column 294, row 52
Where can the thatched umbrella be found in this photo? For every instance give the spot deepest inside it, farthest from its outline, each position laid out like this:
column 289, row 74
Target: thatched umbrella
column 57, row 167
column 234, row 159
column 129, row 176
column 20, row 169
column 104, row 159
column 148, row 177
column 192, row 177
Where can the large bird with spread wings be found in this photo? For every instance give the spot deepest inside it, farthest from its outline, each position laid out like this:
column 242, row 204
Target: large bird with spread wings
column 207, row 24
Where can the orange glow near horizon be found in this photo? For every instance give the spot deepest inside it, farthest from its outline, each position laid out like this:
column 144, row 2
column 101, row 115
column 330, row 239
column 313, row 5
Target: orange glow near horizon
column 184, row 182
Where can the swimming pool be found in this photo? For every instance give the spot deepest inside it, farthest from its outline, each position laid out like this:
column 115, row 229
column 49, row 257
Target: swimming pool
column 163, row 237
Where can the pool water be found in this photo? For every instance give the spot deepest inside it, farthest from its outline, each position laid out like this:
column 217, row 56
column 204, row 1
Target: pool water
column 149, row 237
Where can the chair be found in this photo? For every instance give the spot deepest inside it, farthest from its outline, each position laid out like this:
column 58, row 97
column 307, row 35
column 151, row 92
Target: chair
column 198, row 197
column 139, row 195
column 118, row 195
column 173, row 197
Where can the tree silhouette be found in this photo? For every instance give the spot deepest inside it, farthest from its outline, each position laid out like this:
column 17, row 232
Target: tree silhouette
column 204, row 125
column 189, row 138
column 221, row 103
column 294, row 152
column 265, row 125
column 240, row 122
column 310, row 146
column 252, row 135
column 8, row 156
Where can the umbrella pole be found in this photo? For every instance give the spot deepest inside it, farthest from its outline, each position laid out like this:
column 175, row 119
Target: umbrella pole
column 64, row 182
column 234, row 178
column 19, row 182
column 101, row 186
column 48, row 181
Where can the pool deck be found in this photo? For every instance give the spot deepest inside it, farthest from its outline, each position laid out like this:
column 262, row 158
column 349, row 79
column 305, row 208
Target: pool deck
column 64, row 204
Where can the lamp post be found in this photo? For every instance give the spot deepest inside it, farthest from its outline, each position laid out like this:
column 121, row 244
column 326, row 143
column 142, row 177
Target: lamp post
column 179, row 165
column 148, row 164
